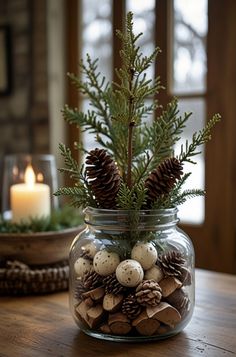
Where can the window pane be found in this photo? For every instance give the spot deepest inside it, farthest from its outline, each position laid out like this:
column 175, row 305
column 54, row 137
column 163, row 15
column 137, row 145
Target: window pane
column 144, row 19
column 193, row 210
column 97, row 33
column 189, row 46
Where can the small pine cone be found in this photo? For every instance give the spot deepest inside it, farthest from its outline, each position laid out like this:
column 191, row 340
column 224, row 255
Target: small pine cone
column 172, row 263
column 148, row 293
column 91, row 280
column 104, row 177
column 130, row 307
column 162, row 179
column 79, row 290
column 112, row 285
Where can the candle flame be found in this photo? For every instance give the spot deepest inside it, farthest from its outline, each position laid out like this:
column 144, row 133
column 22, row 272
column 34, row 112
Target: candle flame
column 29, row 176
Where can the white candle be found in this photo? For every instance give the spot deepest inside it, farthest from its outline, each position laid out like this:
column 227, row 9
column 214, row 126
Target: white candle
column 29, row 199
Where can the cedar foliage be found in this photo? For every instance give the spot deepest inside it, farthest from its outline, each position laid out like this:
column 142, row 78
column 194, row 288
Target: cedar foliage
column 117, row 120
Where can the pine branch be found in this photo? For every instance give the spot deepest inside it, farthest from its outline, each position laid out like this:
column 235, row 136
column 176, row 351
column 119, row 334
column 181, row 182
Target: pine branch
column 182, row 197
column 200, row 138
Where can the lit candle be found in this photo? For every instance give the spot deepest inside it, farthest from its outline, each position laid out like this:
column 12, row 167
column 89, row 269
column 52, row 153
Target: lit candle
column 29, row 199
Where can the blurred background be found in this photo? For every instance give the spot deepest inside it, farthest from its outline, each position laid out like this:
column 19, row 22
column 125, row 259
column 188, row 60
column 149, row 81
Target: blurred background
column 42, row 40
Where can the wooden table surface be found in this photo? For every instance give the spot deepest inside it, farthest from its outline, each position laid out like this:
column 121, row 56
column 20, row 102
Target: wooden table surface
column 42, row 326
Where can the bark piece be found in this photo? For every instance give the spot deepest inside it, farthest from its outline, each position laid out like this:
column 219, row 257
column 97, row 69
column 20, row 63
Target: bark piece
column 169, row 285
column 165, row 313
column 146, row 326
column 119, row 324
column 112, row 303
column 95, row 315
column 95, row 294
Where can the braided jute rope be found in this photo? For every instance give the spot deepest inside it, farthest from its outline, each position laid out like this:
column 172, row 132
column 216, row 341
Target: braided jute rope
column 17, row 278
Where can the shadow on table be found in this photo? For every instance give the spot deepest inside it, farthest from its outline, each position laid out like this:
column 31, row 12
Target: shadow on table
column 87, row 346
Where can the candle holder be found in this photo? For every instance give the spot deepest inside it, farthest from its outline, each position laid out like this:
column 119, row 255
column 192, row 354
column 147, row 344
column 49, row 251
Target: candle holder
column 14, row 169
column 35, row 234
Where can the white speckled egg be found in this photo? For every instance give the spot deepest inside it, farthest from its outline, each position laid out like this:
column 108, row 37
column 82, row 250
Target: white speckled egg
column 82, row 265
column 90, row 249
column 105, row 263
column 154, row 273
column 145, row 254
column 129, row 273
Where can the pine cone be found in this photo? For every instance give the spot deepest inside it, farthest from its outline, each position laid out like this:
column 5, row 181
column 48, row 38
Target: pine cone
column 104, row 177
column 112, row 285
column 91, row 280
column 130, row 307
column 79, row 290
column 172, row 263
column 148, row 292
column 162, row 179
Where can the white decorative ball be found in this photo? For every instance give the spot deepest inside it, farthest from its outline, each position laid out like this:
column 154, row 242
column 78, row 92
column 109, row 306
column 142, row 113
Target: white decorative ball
column 145, row 254
column 129, row 273
column 90, row 249
column 82, row 265
column 105, row 263
column 154, row 273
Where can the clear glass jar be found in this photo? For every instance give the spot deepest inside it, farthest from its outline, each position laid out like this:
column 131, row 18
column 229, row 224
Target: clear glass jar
column 131, row 275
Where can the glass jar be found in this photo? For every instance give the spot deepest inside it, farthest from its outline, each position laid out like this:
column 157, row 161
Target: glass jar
column 131, row 275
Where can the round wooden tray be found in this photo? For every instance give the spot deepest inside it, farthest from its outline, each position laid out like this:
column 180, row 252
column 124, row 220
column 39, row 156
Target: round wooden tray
column 38, row 248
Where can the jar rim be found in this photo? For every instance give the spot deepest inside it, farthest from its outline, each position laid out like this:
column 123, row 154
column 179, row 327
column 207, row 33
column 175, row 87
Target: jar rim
column 161, row 211
column 147, row 219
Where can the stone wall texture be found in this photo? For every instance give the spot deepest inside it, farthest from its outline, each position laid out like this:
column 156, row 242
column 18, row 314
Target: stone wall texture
column 24, row 124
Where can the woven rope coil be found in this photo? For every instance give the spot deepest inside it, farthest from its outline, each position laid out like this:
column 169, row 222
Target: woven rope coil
column 16, row 278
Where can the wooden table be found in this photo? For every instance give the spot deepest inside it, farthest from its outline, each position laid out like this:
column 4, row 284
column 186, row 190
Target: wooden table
column 42, row 326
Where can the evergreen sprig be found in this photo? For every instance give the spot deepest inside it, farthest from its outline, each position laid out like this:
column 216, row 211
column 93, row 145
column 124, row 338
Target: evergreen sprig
column 117, row 118
column 67, row 217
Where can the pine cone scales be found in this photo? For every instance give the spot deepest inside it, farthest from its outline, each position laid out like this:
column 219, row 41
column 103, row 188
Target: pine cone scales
column 112, row 285
column 148, row 293
column 130, row 307
column 103, row 176
column 171, row 263
column 91, row 280
column 163, row 178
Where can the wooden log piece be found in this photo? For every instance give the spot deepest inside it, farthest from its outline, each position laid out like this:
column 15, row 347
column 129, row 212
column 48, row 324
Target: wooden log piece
column 146, row 326
column 112, row 303
column 169, row 285
column 81, row 312
column 95, row 315
column 95, row 294
column 105, row 329
column 119, row 324
column 165, row 313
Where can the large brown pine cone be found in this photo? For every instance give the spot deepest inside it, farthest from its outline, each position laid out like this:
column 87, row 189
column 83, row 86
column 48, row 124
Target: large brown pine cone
column 148, row 293
column 112, row 285
column 103, row 176
column 162, row 179
column 172, row 263
column 130, row 307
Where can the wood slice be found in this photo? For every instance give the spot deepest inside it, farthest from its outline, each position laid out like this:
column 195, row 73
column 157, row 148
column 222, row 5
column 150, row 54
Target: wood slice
column 119, row 324
column 95, row 315
column 95, row 294
column 169, row 285
column 146, row 326
column 112, row 303
column 165, row 313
